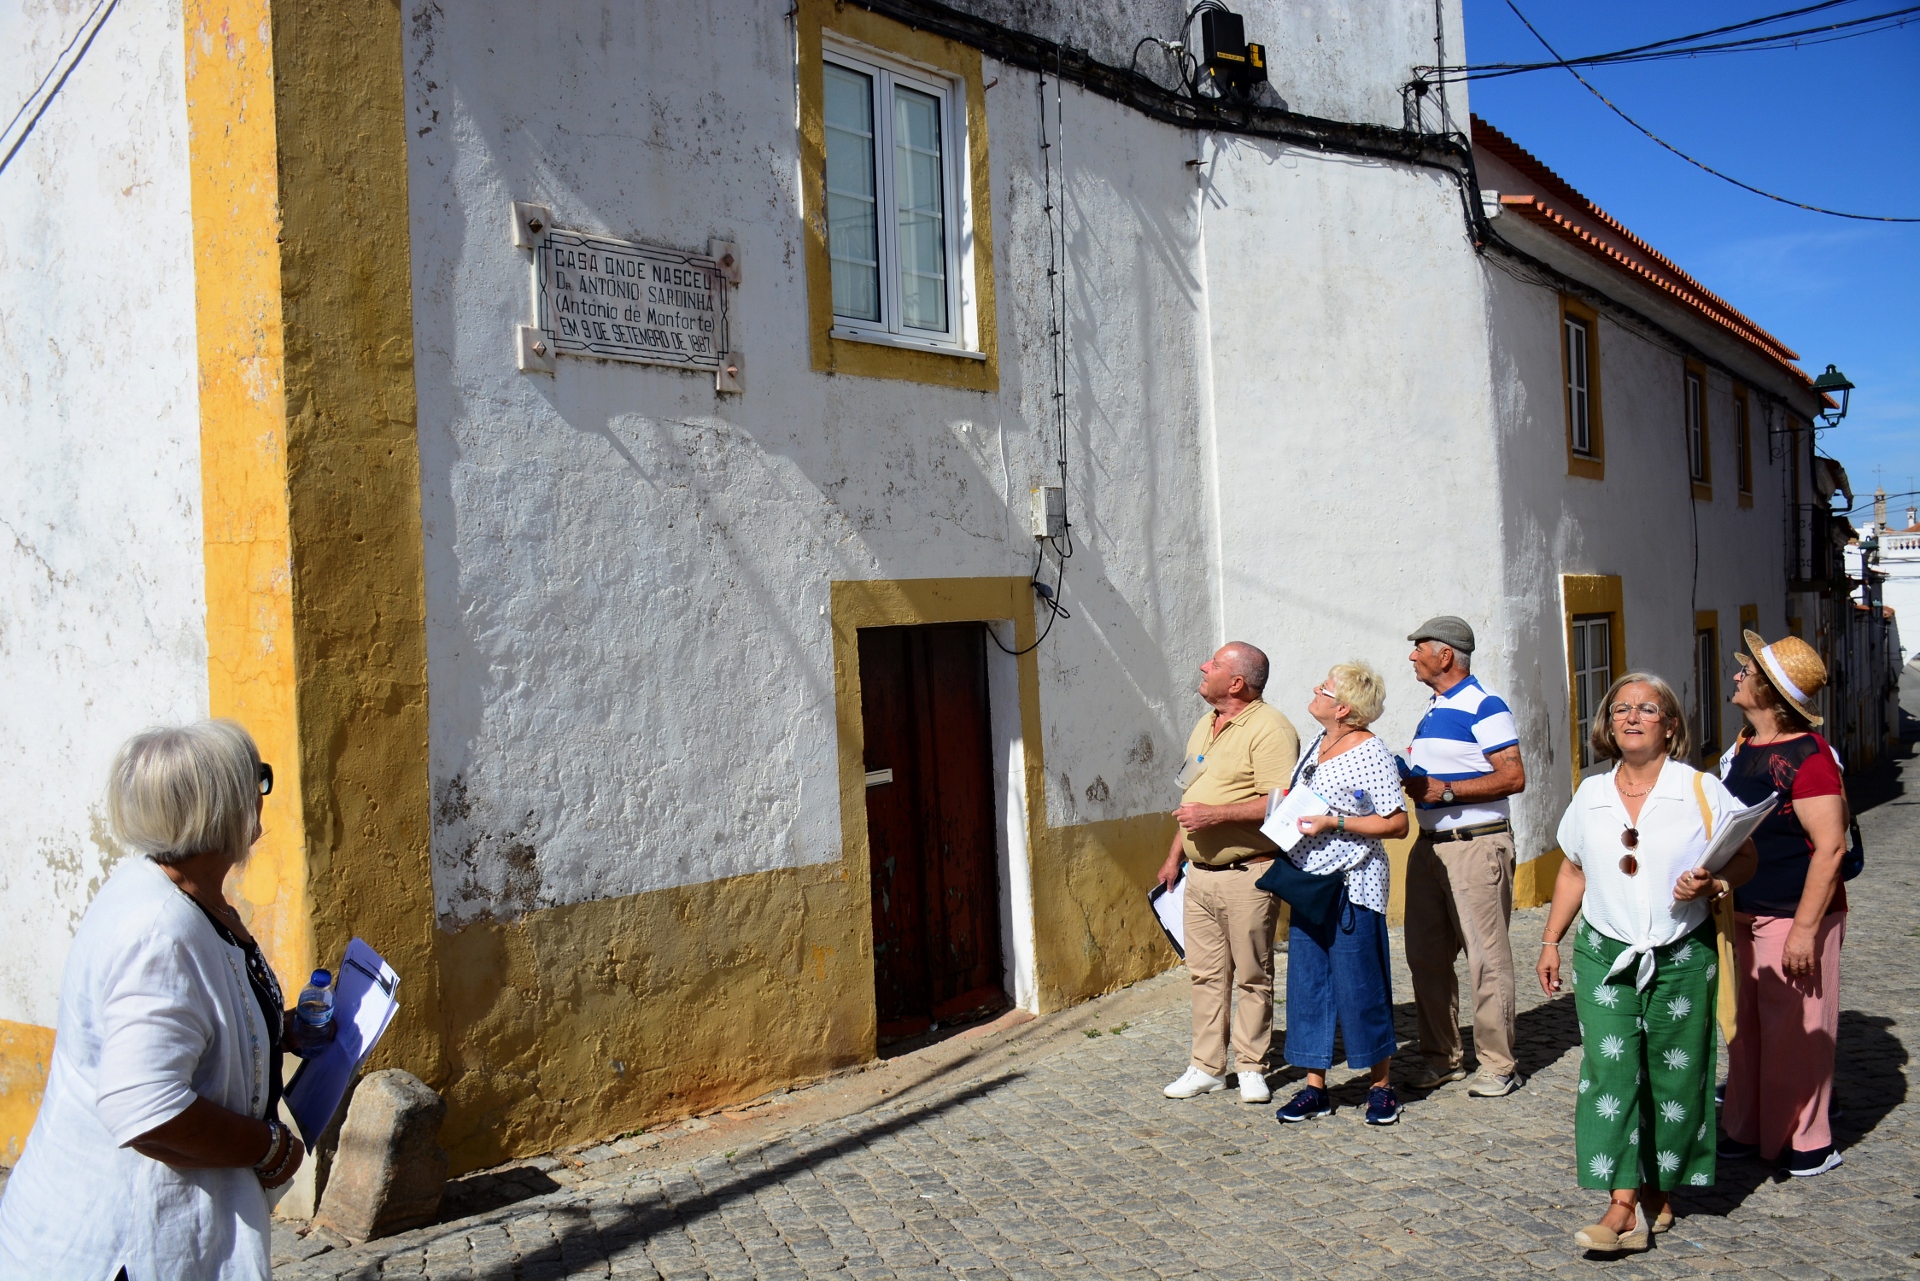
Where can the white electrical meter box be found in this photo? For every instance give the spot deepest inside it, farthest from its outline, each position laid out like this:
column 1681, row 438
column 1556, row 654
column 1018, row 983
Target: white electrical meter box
column 1050, row 512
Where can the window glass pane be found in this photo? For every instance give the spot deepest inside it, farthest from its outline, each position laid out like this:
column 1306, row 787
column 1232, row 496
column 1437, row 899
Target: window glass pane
column 1579, row 401
column 1696, row 460
column 853, row 228
column 923, row 221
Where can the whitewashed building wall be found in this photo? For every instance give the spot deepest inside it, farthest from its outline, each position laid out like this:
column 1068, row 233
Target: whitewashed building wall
column 102, row 589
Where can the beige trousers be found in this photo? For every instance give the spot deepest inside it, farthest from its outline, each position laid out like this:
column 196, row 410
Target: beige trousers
column 1460, row 895
column 1230, row 926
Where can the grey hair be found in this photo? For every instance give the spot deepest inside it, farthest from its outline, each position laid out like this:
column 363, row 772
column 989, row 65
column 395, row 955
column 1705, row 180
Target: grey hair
column 181, row 790
column 1462, row 658
column 1249, row 663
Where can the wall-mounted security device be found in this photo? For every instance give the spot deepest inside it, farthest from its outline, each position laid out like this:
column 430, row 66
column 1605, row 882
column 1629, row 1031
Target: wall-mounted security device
column 1235, row 68
column 1050, row 512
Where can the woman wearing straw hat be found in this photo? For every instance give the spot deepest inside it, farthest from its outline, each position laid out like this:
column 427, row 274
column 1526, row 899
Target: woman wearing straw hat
column 1790, row 918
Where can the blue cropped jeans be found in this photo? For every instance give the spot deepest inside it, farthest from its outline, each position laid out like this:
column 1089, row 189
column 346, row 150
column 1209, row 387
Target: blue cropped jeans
column 1338, row 973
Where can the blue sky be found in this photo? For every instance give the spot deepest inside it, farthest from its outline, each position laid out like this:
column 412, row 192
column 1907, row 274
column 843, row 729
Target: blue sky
column 1830, row 125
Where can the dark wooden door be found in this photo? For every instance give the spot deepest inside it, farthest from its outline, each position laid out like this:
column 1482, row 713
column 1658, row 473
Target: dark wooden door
column 936, row 901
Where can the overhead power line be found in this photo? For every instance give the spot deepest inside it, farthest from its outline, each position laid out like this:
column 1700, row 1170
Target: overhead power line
column 1690, row 46
column 15, row 134
column 1698, row 164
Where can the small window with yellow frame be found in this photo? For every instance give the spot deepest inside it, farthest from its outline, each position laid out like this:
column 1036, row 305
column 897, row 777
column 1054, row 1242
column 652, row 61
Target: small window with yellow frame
column 1580, row 369
column 897, row 196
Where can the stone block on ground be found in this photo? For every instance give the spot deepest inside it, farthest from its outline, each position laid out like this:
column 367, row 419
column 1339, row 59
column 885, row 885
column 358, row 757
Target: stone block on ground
column 389, row 1170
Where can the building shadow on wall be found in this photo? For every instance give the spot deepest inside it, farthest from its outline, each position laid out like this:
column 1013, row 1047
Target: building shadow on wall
column 576, row 1236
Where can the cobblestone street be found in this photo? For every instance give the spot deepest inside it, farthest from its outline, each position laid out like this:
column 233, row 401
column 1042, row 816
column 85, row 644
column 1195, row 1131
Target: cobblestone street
column 1049, row 1151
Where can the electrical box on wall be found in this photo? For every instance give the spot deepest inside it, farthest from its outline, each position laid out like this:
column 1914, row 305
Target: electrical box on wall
column 1050, row 512
column 1234, row 67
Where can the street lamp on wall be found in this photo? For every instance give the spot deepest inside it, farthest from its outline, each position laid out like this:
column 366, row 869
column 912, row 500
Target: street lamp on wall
column 1833, row 384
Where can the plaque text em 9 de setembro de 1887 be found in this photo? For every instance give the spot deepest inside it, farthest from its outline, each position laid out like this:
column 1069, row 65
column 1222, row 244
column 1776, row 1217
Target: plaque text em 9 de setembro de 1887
column 620, row 300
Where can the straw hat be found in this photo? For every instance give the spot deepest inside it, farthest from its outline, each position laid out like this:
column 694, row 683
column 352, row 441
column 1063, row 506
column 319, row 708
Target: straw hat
column 1791, row 666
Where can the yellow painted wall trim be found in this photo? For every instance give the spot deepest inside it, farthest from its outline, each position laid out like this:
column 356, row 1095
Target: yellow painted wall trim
column 812, row 19
column 26, row 1053
column 233, row 157
column 310, row 470
column 1533, row 880
column 1587, row 594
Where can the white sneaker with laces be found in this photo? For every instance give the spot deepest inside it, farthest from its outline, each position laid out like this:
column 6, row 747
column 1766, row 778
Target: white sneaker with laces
column 1192, row 1082
column 1253, row 1088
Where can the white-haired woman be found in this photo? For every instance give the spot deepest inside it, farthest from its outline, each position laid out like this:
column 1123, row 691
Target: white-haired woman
column 1643, row 963
column 1337, row 969
column 156, row 1140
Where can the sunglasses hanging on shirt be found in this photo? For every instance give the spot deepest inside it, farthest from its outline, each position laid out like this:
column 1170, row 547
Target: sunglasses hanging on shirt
column 1631, row 839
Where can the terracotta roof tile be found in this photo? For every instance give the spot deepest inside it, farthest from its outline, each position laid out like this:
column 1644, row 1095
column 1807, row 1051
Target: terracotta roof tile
column 1659, row 271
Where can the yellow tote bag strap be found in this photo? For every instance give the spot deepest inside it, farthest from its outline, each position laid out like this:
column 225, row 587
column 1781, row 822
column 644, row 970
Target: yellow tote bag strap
column 1723, row 926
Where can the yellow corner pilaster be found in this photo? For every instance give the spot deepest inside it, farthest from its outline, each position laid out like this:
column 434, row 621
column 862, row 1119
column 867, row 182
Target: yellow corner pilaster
column 315, row 581
column 26, row 1052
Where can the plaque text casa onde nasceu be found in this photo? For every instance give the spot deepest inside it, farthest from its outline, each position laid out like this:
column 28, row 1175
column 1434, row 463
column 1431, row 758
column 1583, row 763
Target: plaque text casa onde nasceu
column 625, row 301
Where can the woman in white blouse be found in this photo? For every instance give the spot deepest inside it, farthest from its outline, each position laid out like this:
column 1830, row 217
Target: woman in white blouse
column 1337, row 969
column 155, row 1144
column 1643, row 962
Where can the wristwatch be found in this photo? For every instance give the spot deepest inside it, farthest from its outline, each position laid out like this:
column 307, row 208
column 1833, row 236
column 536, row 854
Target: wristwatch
column 1446, row 792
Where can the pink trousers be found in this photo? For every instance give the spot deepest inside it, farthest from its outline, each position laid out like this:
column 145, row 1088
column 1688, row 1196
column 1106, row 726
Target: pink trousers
column 1780, row 1064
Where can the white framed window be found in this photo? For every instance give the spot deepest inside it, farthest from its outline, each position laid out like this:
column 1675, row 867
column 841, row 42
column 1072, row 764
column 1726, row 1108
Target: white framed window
column 1579, row 402
column 895, row 202
column 1592, row 674
column 1696, row 427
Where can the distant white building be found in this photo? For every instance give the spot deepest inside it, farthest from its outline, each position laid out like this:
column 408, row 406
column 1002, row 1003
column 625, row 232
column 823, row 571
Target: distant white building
column 595, row 451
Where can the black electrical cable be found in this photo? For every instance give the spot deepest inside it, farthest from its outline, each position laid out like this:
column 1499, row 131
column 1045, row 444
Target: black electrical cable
column 84, row 39
column 1055, row 215
column 1683, row 46
column 1698, row 164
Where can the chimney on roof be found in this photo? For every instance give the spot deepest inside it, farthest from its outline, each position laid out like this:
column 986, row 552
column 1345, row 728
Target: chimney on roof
column 1880, row 508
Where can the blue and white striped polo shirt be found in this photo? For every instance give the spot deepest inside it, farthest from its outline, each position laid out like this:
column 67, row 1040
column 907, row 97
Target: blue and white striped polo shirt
column 1460, row 730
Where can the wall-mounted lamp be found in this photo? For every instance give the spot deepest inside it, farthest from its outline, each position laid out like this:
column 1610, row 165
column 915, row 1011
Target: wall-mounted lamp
column 1833, row 383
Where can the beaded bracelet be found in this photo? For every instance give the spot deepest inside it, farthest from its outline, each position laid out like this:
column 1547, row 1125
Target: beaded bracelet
column 286, row 1159
column 278, row 1143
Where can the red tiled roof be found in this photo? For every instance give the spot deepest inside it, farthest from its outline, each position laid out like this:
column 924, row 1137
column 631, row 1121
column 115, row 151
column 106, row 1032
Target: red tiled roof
column 1657, row 270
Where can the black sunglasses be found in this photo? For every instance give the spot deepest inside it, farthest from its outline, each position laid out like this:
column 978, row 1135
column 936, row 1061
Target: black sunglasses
column 266, row 779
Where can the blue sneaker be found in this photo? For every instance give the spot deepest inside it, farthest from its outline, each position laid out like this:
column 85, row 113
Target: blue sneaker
column 1383, row 1105
column 1304, row 1106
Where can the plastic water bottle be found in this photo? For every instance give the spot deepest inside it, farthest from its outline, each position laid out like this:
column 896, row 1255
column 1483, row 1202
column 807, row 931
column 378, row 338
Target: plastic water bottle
column 313, row 1016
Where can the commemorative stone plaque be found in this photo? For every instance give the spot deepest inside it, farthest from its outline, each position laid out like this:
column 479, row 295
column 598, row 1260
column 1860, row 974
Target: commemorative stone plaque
column 621, row 300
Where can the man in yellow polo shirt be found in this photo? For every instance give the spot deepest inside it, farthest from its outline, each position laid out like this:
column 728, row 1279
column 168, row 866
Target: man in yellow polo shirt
column 1241, row 750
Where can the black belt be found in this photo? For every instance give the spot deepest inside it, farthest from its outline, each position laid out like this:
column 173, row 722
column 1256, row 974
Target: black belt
column 1471, row 832
column 1227, row 867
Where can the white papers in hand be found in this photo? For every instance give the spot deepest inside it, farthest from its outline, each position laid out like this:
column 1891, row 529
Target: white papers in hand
column 1285, row 812
column 363, row 1006
column 1733, row 829
column 1170, row 908
column 1730, row 832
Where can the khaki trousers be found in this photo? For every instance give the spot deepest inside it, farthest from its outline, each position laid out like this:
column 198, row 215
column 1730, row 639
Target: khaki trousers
column 1460, row 895
column 1230, row 926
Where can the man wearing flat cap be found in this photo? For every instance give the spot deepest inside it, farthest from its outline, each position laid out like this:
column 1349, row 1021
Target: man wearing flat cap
column 1464, row 763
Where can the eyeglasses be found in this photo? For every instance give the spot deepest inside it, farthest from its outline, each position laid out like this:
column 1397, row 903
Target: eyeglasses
column 1648, row 711
column 266, row 778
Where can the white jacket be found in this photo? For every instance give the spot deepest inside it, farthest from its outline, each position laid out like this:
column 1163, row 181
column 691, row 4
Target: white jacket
column 154, row 1009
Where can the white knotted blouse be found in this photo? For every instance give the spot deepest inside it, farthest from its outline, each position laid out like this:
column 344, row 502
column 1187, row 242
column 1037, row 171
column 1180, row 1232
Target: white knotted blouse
column 154, row 1009
column 1639, row 910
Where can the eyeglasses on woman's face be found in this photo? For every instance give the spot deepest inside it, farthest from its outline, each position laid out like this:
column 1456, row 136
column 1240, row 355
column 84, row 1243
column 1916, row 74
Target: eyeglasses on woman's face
column 1626, row 711
column 1321, row 691
column 266, row 778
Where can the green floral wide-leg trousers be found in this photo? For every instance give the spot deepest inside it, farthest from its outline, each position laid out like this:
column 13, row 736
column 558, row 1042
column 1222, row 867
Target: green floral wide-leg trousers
column 1645, row 1113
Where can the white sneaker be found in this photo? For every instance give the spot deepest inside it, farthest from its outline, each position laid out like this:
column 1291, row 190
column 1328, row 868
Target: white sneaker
column 1193, row 1081
column 1253, row 1088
